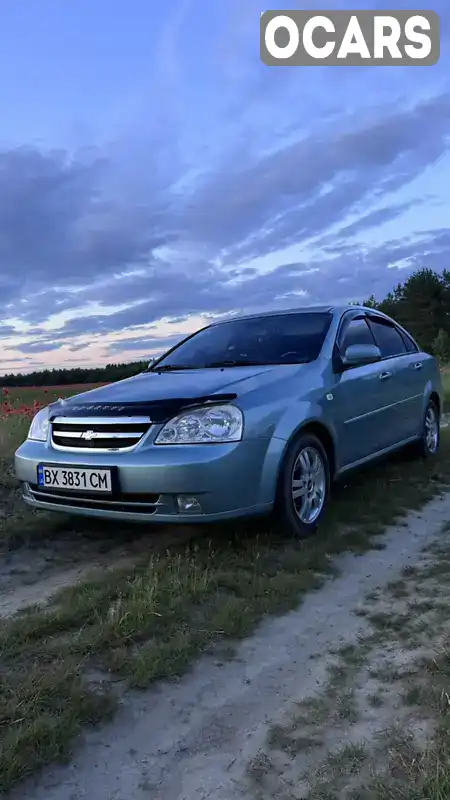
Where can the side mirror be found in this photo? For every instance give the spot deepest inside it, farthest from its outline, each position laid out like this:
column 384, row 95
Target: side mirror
column 356, row 355
column 152, row 360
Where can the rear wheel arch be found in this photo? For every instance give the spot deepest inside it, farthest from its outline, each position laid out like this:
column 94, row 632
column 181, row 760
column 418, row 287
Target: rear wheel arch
column 428, row 444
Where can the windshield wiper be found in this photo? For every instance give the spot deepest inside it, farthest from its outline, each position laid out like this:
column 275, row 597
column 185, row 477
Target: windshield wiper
column 218, row 365
column 242, row 363
column 170, row 368
column 234, row 363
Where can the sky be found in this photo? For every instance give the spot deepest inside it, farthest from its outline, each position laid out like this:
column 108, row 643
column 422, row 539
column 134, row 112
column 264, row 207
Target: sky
column 154, row 175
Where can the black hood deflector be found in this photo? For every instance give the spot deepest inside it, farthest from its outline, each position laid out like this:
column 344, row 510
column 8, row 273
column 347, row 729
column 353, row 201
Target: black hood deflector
column 158, row 410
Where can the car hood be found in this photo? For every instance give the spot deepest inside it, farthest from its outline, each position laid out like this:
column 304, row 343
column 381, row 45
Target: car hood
column 163, row 394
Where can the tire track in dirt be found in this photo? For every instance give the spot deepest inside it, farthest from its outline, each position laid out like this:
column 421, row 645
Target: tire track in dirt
column 31, row 576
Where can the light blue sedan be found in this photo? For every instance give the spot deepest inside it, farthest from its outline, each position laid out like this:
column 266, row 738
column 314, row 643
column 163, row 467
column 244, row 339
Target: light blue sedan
column 249, row 416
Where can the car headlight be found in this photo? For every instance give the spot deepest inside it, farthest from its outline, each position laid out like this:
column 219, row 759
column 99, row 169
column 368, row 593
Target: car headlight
column 39, row 426
column 203, row 426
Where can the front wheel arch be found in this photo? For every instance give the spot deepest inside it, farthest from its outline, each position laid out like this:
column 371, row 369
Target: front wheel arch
column 434, row 397
column 319, row 430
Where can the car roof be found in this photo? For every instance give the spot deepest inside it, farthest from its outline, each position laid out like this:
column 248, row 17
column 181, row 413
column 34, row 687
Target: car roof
column 311, row 309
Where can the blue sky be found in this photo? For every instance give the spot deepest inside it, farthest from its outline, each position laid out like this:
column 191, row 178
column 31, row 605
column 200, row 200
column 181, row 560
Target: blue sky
column 154, row 174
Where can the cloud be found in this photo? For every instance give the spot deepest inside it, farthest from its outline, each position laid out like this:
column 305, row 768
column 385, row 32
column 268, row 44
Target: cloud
column 301, row 190
column 10, row 363
column 6, row 331
column 348, row 272
column 145, row 344
column 371, row 220
column 267, row 207
column 58, row 223
column 37, row 347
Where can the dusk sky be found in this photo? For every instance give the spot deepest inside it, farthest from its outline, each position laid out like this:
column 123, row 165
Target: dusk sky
column 154, row 173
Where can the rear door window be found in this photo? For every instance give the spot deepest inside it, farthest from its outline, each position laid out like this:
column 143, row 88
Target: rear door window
column 387, row 337
column 409, row 344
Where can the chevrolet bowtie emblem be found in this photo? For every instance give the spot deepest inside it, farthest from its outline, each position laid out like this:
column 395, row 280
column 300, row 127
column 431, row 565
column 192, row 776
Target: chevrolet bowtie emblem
column 88, row 435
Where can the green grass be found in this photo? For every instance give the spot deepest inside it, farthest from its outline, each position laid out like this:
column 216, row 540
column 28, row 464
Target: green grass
column 12, row 432
column 18, row 525
column 413, row 773
column 445, row 372
column 26, row 395
column 153, row 621
column 41, row 711
column 14, row 426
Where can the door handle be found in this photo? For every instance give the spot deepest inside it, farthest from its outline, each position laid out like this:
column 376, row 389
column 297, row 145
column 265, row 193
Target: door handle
column 419, row 365
column 383, row 376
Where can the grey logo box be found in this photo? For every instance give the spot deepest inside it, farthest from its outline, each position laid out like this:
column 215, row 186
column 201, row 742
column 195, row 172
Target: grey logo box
column 350, row 38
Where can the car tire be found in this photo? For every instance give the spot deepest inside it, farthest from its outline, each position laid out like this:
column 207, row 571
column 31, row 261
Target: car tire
column 304, row 482
column 428, row 444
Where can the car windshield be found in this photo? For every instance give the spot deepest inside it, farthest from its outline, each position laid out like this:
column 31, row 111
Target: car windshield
column 294, row 338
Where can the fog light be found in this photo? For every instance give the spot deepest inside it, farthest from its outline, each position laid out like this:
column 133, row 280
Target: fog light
column 188, row 504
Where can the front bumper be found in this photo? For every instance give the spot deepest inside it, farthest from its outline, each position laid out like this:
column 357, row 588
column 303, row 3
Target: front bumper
column 228, row 481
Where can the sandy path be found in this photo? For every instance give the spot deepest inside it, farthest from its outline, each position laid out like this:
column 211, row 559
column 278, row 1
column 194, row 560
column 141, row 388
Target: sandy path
column 193, row 739
column 29, row 582
column 40, row 592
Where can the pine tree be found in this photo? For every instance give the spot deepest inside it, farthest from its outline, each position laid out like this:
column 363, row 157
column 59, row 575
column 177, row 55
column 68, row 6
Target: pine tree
column 441, row 347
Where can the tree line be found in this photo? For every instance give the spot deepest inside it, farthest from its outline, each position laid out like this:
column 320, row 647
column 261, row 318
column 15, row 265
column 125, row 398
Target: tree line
column 74, row 375
column 421, row 304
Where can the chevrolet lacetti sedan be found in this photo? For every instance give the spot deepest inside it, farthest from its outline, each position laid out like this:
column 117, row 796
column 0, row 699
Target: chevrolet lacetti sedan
column 249, row 416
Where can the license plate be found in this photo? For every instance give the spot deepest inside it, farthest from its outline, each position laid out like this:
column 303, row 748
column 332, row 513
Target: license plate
column 74, row 478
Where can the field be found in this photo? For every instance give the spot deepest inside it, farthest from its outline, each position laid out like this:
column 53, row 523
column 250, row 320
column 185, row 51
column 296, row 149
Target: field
column 25, row 399
column 18, row 406
column 170, row 598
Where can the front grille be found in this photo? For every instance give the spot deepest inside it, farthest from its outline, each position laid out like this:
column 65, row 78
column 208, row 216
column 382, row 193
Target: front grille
column 125, row 501
column 98, row 434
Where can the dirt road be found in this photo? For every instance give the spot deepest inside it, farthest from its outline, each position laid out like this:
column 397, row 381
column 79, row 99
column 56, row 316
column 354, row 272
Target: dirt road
column 198, row 738
column 30, row 574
